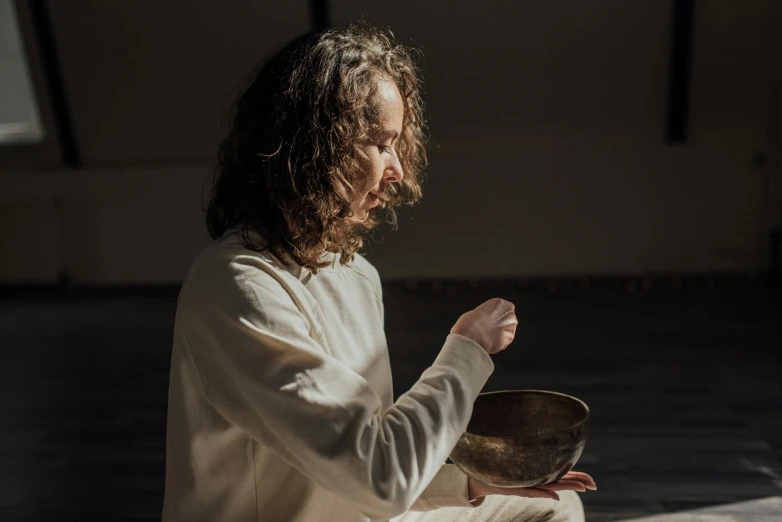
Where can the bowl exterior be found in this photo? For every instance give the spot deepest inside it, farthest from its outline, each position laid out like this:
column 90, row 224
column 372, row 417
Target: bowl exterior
column 520, row 462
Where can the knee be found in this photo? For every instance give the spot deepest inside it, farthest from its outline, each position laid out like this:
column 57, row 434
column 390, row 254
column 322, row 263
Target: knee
column 569, row 508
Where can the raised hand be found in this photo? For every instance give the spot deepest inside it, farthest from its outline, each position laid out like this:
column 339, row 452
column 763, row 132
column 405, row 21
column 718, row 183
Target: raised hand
column 492, row 325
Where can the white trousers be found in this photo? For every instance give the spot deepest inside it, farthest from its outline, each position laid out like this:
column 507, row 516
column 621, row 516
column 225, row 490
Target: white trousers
column 502, row 508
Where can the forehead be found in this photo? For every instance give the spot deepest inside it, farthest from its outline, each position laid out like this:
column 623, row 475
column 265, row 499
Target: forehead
column 389, row 104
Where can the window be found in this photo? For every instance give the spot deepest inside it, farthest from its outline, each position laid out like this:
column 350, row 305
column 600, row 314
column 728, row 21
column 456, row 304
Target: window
column 19, row 117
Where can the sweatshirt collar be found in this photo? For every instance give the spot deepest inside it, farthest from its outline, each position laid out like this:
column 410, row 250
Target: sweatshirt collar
column 301, row 273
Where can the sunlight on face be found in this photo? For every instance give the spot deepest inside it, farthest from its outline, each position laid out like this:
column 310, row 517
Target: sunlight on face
column 382, row 166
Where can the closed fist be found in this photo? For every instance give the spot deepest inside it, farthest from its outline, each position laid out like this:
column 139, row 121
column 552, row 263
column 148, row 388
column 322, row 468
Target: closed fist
column 492, row 325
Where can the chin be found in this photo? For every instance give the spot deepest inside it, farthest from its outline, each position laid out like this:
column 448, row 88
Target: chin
column 360, row 216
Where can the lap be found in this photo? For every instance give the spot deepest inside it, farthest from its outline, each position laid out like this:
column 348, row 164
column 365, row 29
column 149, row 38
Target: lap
column 499, row 508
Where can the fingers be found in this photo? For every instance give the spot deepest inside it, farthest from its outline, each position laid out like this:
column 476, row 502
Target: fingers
column 585, row 479
column 509, row 321
column 565, row 485
column 533, row 493
column 573, row 481
column 507, row 311
column 498, row 304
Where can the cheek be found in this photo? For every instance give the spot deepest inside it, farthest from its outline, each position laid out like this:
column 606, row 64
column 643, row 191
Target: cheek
column 373, row 170
column 375, row 174
column 372, row 181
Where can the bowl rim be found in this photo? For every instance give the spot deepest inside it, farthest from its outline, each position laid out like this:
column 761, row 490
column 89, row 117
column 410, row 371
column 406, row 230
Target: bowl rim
column 546, row 392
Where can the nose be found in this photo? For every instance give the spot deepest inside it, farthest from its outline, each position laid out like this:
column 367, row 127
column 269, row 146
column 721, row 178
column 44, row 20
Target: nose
column 394, row 172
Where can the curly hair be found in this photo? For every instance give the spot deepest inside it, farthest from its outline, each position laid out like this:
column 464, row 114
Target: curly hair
column 289, row 167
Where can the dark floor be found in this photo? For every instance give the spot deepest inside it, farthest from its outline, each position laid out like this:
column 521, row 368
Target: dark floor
column 683, row 384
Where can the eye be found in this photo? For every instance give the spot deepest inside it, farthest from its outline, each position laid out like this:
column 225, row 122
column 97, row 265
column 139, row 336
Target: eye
column 384, row 149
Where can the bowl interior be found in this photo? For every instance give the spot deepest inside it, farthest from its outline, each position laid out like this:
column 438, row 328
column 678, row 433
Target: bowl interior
column 525, row 413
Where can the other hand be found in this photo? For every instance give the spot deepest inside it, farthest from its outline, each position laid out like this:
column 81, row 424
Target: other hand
column 573, row 481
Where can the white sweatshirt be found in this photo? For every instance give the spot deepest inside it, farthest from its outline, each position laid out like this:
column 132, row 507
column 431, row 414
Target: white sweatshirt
column 281, row 404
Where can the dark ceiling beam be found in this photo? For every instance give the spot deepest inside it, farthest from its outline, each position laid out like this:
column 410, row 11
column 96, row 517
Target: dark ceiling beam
column 63, row 122
column 680, row 71
column 319, row 12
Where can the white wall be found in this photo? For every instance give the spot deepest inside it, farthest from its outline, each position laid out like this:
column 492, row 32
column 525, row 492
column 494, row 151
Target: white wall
column 548, row 120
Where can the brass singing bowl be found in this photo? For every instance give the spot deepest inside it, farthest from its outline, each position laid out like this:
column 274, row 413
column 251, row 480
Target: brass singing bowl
column 522, row 438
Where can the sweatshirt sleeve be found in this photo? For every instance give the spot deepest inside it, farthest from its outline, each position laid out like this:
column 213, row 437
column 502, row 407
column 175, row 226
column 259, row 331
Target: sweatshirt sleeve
column 449, row 488
column 261, row 369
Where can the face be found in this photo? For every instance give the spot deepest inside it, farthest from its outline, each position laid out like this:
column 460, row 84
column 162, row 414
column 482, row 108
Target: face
column 381, row 166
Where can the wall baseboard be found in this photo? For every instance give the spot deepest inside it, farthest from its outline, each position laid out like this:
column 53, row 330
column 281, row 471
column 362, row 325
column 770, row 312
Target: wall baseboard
column 589, row 283
column 448, row 286
column 57, row 291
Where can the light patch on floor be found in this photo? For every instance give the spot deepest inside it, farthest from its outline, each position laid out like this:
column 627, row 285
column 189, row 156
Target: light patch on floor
column 765, row 470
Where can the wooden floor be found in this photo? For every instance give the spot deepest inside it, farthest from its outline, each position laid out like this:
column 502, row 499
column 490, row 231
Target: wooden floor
column 684, row 387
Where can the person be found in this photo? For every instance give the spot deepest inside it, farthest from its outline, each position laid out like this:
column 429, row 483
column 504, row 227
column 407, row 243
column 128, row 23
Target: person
column 280, row 396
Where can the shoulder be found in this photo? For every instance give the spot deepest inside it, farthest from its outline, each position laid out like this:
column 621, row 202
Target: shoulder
column 365, row 269
column 232, row 294
column 226, row 274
